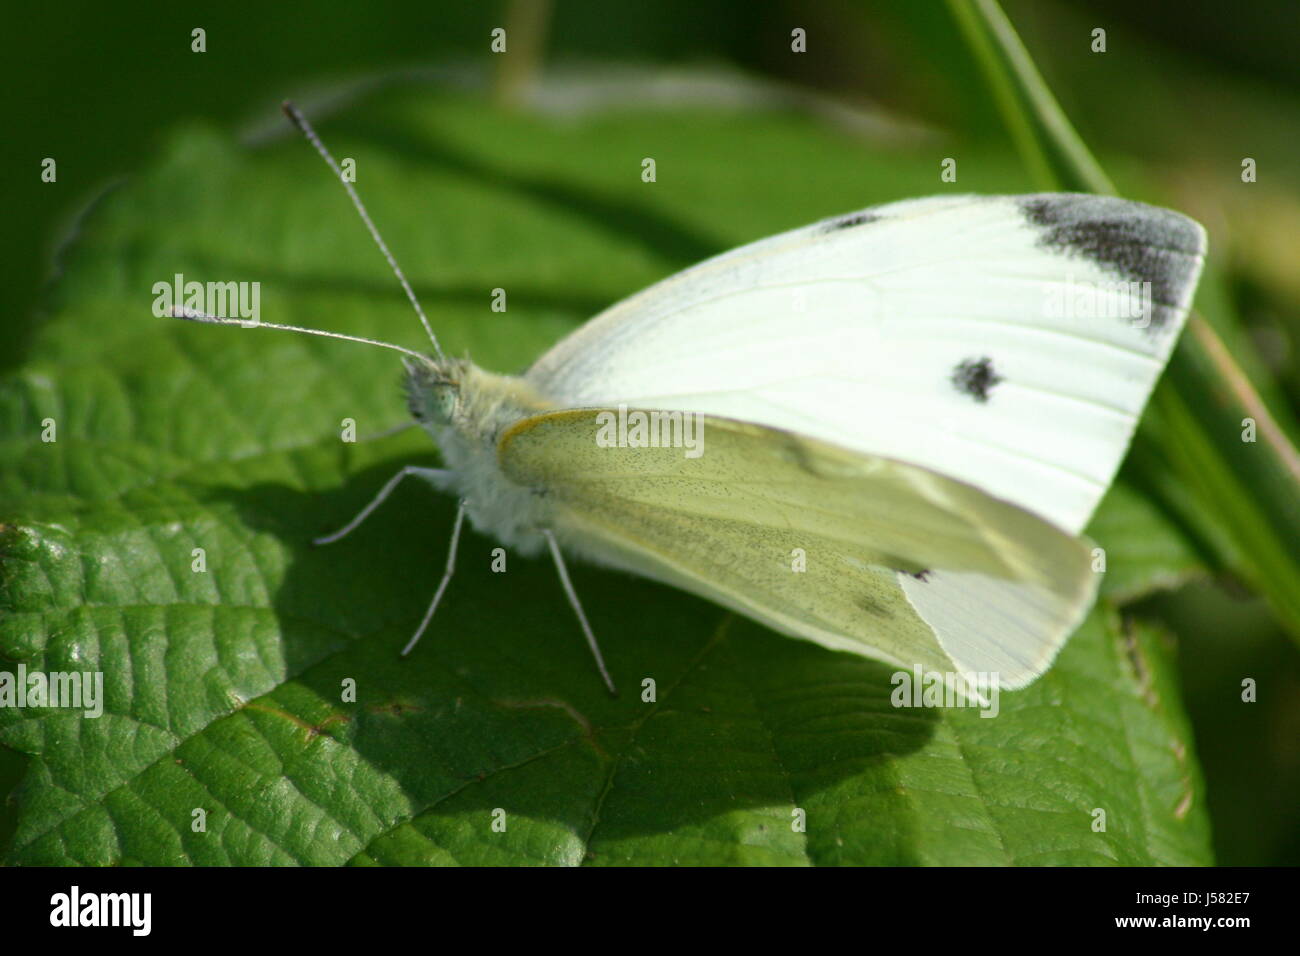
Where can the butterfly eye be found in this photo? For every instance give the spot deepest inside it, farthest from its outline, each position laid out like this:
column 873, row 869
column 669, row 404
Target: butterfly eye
column 434, row 402
column 443, row 398
column 430, row 396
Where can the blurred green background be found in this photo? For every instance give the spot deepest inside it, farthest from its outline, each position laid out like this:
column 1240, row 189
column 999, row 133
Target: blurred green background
column 1182, row 94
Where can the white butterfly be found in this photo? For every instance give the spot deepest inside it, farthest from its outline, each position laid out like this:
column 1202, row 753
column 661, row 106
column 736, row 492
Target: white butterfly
column 907, row 416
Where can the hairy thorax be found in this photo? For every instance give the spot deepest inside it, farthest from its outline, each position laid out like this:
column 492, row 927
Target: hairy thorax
column 485, row 407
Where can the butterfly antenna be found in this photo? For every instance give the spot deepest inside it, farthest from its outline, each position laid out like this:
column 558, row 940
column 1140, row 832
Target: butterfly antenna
column 192, row 315
column 300, row 121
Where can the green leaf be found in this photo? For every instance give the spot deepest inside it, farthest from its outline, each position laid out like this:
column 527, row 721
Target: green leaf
column 226, row 689
column 1144, row 548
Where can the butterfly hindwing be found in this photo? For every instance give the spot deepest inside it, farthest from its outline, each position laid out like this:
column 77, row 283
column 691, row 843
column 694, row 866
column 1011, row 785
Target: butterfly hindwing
column 816, row 541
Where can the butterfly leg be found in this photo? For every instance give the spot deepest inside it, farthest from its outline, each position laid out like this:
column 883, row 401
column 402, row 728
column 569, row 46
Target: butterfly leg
column 577, row 607
column 446, row 578
column 434, row 476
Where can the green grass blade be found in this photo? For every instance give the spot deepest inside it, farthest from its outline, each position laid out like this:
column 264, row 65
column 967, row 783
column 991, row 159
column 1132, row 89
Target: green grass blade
column 1055, row 154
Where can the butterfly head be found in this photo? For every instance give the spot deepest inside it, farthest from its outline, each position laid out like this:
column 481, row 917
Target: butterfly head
column 433, row 390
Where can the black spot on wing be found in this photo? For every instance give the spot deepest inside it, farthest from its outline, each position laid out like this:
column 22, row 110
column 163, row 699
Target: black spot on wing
column 975, row 377
column 848, row 222
column 1130, row 240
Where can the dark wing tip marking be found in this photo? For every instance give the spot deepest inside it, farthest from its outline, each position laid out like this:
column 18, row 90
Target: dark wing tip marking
column 848, row 222
column 975, row 377
column 1134, row 241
